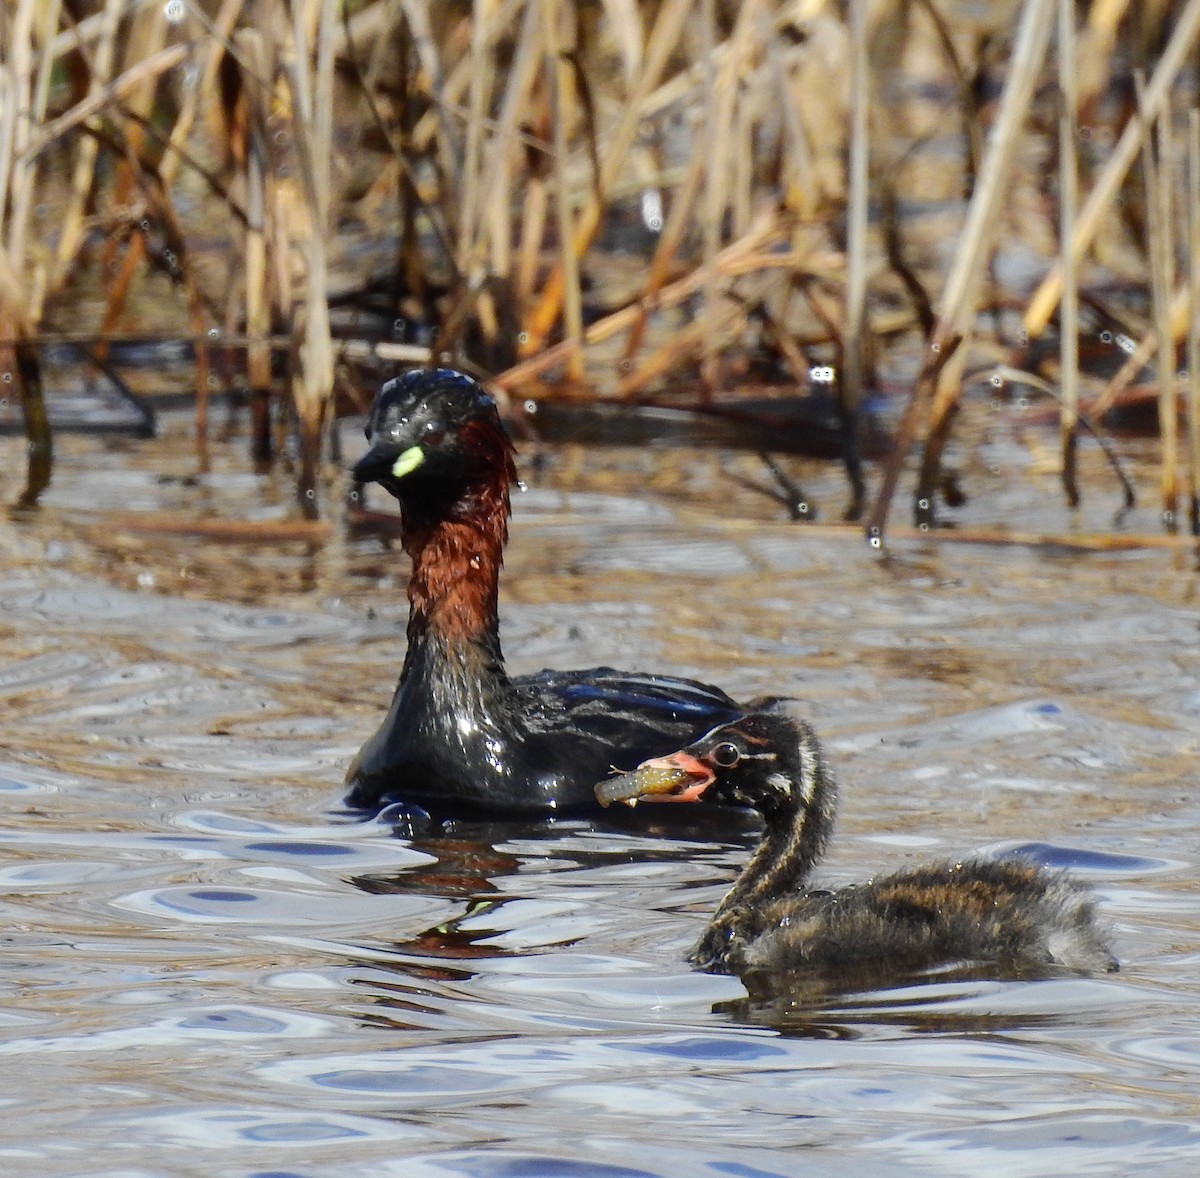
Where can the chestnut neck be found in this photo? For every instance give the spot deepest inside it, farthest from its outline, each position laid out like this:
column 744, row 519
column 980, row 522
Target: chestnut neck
column 456, row 542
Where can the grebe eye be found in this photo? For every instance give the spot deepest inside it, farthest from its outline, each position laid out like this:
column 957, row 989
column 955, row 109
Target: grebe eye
column 726, row 755
column 433, row 434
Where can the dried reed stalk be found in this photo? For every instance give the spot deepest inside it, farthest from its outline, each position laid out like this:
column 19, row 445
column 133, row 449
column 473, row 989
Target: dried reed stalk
column 19, row 170
column 663, row 38
column 721, row 95
column 499, row 163
column 309, row 72
column 712, row 144
column 765, row 229
column 253, row 53
column 24, row 86
column 1168, row 404
column 850, row 372
column 1108, row 184
column 1193, row 325
column 558, row 77
column 480, row 61
column 449, row 153
column 1155, row 177
column 1068, row 199
column 959, row 297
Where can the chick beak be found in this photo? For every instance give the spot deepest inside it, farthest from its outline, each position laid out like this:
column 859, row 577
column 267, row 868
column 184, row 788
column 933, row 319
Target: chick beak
column 679, row 777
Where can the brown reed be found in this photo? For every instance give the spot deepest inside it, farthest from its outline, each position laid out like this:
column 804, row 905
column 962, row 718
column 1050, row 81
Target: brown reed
column 498, row 149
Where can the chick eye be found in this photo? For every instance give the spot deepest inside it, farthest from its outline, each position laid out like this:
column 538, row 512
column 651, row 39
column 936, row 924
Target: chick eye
column 433, row 434
column 726, row 755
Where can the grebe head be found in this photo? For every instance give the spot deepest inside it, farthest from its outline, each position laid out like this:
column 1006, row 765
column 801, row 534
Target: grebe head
column 434, row 432
column 768, row 760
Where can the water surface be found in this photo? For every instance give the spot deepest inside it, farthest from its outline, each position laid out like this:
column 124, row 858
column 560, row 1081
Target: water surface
column 208, row 970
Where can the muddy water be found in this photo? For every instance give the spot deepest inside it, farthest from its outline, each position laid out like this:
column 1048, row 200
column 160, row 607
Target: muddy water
column 208, row 970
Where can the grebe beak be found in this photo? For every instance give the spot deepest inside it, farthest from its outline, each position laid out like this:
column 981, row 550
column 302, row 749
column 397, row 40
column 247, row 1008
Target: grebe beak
column 385, row 461
column 679, row 777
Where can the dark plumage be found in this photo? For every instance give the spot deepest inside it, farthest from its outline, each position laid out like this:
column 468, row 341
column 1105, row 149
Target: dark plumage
column 1008, row 916
column 461, row 735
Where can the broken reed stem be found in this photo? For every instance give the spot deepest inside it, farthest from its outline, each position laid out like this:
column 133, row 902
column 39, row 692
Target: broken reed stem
column 1193, row 325
column 37, row 424
column 1068, row 197
column 1019, row 376
column 1155, row 175
column 1140, row 356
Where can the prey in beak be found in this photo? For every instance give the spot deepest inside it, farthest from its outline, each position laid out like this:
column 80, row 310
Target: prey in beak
column 679, row 777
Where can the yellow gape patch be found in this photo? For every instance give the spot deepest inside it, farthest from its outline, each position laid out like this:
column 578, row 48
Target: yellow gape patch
column 408, row 461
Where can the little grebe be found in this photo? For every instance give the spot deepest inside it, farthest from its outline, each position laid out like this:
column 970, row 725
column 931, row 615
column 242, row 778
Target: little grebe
column 461, row 735
column 1009, row 916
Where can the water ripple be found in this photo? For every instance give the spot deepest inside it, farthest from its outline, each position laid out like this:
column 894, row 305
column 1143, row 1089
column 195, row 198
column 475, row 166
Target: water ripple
column 267, row 908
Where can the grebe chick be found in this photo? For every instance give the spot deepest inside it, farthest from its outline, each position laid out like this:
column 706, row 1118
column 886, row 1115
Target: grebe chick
column 1006, row 917
column 461, row 736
